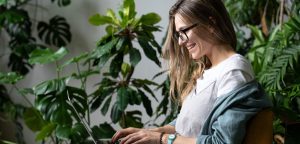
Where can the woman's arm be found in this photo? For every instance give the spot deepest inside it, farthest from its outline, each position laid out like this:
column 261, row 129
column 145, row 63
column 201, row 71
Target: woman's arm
column 146, row 136
column 134, row 134
column 168, row 129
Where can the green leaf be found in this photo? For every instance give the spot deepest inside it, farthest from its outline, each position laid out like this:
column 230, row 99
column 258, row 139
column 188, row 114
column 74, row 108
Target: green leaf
column 123, row 42
column 112, row 15
column 44, row 56
column 126, row 68
column 56, row 33
column 102, row 131
column 134, row 97
column 116, row 113
column 98, row 20
column 116, row 65
column 146, row 103
column 122, row 98
column 105, row 49
column 148, row 50
column 26, row 91
column 150, row 19
column 78, row 133
column 2, row 2
column 155, row 44
column 257, row 34
column 63, row 132
column 132, row 119
column 128, row 9
column 56, row 101
column 45, row 132
column 110, row 30
column 12, row 16
column 105, row 106
column 134, row 56
column 10, row 78
column 33, row 119
column 52, row 86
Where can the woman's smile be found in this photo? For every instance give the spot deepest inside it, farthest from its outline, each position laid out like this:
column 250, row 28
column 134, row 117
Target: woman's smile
column 190, row 47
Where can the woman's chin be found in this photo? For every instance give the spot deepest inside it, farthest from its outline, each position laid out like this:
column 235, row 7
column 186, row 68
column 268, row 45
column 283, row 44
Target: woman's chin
column 196, row 56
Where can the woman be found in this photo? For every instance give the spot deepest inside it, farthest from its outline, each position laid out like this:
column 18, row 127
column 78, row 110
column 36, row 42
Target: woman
column 214, row 84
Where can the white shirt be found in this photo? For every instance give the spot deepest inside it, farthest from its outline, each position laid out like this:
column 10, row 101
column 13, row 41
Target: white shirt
column 216, row 81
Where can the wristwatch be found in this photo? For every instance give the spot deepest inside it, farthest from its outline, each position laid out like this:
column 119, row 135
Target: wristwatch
column 171, row 138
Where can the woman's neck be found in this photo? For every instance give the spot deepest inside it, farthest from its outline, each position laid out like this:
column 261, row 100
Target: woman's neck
column 220, row 53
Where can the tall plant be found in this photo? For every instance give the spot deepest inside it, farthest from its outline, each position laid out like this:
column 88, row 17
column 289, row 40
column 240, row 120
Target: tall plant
column 273, row 48
column 17, row 25
column 122, row 34
column 61, row 112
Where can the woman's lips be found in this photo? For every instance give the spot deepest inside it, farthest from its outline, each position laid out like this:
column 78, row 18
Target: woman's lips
column 190, row 47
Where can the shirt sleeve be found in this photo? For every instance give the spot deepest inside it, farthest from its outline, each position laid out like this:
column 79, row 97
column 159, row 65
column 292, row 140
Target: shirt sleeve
column 232, row 80
column 173, row 123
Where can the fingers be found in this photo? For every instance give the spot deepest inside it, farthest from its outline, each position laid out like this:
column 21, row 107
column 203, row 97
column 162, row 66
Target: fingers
column 122, row 133
column 141, row 137
column 116, row 136
column 131, row 138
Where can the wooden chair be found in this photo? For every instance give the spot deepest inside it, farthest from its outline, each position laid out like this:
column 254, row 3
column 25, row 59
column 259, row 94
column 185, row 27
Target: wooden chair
column 260, row 128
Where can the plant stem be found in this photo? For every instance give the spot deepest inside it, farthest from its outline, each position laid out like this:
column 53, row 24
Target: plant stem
column 281, row 12
column 52, row 138
column 27, row 100
column 82, row 81
column 57, row 71
column 263, row 20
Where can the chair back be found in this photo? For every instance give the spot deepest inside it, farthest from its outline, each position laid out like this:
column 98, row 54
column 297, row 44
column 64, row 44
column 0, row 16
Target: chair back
column 260, row 128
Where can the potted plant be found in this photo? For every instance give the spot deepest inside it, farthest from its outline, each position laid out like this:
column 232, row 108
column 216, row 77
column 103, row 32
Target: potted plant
column 61, row 112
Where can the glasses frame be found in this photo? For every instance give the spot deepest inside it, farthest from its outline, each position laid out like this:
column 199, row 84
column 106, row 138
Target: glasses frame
column 181, row 33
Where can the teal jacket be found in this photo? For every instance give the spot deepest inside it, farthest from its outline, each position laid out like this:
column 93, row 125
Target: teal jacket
column 227, row 122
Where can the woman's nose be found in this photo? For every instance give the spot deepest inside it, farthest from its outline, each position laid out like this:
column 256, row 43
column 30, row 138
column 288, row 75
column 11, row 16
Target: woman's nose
column 180, row 42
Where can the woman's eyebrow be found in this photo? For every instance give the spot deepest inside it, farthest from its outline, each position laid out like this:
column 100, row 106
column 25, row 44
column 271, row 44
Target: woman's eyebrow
column 182, row 28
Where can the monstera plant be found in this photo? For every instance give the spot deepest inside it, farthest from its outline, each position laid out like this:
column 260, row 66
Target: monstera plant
column 273, row 48
column 17, row 28
column 61, row 112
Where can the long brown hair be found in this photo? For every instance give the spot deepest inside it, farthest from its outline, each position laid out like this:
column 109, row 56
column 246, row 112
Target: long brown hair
column 183, row 70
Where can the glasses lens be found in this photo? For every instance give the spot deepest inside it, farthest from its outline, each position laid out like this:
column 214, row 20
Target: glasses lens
column 183, row 36
column 180, row 35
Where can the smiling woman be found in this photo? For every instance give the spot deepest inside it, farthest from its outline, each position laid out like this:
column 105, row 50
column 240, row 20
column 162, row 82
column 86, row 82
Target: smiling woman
column 214, row 85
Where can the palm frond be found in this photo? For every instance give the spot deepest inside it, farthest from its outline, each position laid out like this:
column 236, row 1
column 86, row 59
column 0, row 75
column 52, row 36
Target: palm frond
column 273, row 76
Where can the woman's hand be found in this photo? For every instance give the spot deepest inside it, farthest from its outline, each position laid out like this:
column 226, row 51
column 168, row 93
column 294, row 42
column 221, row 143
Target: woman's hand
column 123, row 133
column 142, row 137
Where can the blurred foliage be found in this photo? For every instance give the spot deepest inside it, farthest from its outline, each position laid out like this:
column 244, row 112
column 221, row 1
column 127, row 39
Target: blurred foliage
column 273, row 48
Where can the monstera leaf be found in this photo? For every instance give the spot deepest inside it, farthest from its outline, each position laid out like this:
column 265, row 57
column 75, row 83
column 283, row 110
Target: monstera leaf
column 60, row 103
column 57, row 32
column 17, row 22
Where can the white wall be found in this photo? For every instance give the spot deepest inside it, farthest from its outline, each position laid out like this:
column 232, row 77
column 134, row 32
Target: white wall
column 84, row 38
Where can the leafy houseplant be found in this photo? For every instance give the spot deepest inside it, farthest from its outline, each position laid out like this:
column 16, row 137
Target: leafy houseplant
column 16, row 23
column 273, row 48
column 61, row 112
column 119, row 42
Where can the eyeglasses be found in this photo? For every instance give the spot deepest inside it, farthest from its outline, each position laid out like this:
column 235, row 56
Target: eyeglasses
column 182, row 33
